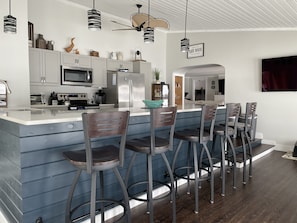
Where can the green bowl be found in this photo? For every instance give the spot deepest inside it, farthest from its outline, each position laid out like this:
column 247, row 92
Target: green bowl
column 153, row 103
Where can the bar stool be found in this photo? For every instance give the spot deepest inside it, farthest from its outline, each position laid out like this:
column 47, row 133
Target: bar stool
column 94, row 159
column 225, row 131
column 201, row 136
column 152, row 145
column 245, row 129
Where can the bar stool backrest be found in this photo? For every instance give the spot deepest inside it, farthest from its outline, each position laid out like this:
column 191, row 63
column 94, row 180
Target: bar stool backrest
column 104, row 124
column 208, row 115
column 250, row 114
column 162, row 117
column 232, row 116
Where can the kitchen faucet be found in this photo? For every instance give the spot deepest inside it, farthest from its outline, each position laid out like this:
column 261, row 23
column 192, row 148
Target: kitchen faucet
column 6, row 85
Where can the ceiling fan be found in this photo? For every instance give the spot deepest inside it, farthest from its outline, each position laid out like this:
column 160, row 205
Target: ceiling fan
column 140, row 21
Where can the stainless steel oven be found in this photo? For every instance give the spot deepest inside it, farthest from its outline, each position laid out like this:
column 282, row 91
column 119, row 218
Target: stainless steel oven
column 78, row 76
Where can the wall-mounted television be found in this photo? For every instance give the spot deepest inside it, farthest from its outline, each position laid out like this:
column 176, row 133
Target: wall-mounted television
column 279, row 74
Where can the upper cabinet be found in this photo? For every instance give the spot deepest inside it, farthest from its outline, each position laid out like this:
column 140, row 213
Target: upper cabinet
column 119, row 64
column 44, row 66
column 99, row 72
column 76, row 60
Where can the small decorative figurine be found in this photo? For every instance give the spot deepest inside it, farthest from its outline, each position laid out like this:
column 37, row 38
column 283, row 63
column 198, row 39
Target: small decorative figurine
column 70, row 47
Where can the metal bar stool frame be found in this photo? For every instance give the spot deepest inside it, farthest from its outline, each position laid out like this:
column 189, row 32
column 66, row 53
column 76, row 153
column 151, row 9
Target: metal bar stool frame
column 201, row 135
column 96, row 160
column 225, row 131
column 151, row 146
column 245, row 129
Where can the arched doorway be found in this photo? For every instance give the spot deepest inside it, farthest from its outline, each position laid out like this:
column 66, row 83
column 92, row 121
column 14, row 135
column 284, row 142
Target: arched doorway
column 198, row 84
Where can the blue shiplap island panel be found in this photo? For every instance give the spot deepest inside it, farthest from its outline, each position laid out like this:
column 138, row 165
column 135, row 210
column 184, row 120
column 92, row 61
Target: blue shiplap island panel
column 35, row 177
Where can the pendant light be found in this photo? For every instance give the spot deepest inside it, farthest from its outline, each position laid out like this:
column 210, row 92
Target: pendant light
column 10, row 22
column 94, row 19
column 185, row 43
column 148, row 31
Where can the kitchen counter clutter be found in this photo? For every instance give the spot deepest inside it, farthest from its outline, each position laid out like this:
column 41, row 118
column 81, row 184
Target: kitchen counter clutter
column 35, row 182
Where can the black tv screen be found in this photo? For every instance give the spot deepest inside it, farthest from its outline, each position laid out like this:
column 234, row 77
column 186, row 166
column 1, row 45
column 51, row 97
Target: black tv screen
column 279, row 74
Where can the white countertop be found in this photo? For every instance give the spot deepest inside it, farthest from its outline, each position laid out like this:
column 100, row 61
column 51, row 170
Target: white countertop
column 39, row 116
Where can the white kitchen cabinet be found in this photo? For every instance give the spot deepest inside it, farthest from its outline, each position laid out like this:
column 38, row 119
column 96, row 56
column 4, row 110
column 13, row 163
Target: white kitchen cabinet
column 44, row 66
column 76, row 60
column 146, row 69
column 119, row 64
column 99, row 72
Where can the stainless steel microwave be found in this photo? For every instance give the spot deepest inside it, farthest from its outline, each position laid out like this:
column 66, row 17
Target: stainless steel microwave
column 78, row 76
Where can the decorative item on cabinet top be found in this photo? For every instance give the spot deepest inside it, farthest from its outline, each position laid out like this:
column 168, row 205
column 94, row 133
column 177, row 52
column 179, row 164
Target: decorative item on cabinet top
column 94, row 53
column 138, row 56
column 50, row 45
column 70, row 47
column 40, row 42
column 113, row 55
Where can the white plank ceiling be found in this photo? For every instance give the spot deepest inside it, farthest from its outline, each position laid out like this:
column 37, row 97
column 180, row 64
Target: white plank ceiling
column 207, row 15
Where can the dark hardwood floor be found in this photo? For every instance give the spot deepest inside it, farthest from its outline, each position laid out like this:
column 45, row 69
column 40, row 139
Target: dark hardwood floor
column 269, row 196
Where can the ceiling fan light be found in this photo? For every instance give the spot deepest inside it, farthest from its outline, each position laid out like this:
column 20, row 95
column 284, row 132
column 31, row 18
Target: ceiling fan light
column 184, row 45
column 148, row 35
column 94, row 20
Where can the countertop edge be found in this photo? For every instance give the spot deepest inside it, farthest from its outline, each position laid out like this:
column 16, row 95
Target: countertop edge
column 46, row 116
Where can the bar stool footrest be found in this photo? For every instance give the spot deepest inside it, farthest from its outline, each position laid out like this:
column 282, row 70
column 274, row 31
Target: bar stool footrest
column 110, row 201
column 146, row 182
column 186, row 177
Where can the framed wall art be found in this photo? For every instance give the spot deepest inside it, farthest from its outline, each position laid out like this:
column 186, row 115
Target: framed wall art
column 196, row 50
column 31, row 34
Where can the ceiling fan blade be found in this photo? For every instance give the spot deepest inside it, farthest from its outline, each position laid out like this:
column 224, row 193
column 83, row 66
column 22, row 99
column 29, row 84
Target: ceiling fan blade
column 123, row 29
column 120, row 23
column 139, row 19
column 159, row 23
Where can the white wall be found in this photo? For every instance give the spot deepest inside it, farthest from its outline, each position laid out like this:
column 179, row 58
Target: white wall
column 240, row 53
column 14, row 66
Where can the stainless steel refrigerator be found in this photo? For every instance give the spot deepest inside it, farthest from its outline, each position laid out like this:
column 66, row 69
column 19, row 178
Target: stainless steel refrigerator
column 125, row 89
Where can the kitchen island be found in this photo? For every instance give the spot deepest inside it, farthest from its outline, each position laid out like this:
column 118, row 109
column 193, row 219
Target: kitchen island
column 35, row 177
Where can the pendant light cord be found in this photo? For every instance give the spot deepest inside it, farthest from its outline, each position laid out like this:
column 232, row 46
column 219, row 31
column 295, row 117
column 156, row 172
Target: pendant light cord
column 186, row 18
column 148, row 15
column 9, row 7
column 93, row 4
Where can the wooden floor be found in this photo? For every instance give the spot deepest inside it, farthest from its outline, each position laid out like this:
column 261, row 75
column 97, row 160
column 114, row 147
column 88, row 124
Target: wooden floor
column 269, row 196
